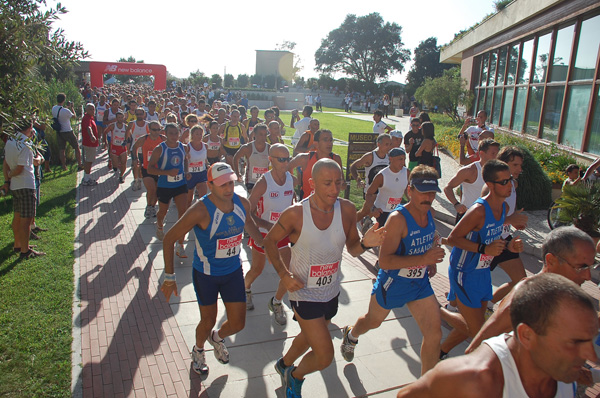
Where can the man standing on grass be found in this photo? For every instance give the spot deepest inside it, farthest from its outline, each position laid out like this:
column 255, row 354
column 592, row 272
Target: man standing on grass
column 65, row 133
column 18, row 173
column 318, row 228
column 301, row 125
column 89, row 142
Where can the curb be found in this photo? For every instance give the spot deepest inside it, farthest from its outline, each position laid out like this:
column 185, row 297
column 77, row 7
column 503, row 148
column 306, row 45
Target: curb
column 76, row 359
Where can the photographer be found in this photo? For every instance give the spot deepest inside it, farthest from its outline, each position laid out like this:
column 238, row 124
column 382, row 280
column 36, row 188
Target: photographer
column 65, row 133
column 470, row 132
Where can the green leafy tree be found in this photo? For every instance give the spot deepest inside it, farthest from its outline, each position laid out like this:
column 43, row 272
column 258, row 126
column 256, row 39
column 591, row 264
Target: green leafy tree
column 228, row 80
column 32, row 54
column 216, row 79
column 243, row 81
column 256, row 79
column 364, row 47
column 447, row 92
column 197, row 78
column 426, row 64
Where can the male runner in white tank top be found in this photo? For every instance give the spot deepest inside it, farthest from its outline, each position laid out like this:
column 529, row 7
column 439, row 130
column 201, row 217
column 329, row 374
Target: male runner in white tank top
column 257, row 157
column 272, row 194
column 470, row 178
column 318, row 228
column 136, row 130
column 542, row 358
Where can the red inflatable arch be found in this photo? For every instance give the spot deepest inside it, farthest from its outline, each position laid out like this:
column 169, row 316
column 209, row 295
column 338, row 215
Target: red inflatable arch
column 99, row 69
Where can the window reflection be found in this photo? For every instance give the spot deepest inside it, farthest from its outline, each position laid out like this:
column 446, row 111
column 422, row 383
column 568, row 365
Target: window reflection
column 507, row 106
column 525, row 65
column 554, row 100
column 577, row 107
column 562, row 51
column 541, row 59
column 594, row 144
column 519, row 110
column 534, row 109
column 587, row 49
column 513, row 58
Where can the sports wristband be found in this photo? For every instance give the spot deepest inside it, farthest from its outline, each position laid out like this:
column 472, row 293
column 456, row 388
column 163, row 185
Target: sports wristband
column 365, row 248
column 481, row 248
column 169, row 277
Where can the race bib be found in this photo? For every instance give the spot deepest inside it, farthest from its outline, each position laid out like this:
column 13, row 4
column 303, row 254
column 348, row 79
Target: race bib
column 250, row 129
column 229, row 247
column 213, row 147
column 506, row 229
column 258, row 171
column 196, row 167
column 176, row 178
column 233, row 141
column 413, row 272
column 484, row 261
column 100, row 116
column 393, row 203
column 118, row 141
column 322, row 275
column 274, row 216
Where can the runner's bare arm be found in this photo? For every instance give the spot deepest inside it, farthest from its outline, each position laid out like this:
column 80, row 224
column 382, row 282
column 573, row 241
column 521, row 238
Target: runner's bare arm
column 257, row 192
column 250, row 226
column 364, row 160
column 370, row 197
column 473, row 220
column 196, row 215
column 243, row 151
column 289, row 224
column 460, row 177
column 355, row 245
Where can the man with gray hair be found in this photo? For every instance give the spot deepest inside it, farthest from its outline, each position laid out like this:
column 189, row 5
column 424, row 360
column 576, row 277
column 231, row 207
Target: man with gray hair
column 554, row 323
column 567, row 251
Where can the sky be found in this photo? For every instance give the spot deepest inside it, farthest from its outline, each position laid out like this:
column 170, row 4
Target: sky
column 219, row 36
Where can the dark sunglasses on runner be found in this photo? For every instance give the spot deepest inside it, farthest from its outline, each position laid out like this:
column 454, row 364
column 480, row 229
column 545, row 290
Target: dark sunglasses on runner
column 503, row 182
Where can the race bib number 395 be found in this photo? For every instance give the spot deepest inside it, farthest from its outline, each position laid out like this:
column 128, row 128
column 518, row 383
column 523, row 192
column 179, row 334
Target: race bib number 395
column 413, row 272
column 229, row 247
column 322, row 275
column 484, row 261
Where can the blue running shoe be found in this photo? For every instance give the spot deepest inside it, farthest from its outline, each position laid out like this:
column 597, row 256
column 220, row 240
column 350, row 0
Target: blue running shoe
column 280, row 368
column 293, row 386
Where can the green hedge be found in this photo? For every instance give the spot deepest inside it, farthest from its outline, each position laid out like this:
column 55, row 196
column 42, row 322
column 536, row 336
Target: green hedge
column 535, row 188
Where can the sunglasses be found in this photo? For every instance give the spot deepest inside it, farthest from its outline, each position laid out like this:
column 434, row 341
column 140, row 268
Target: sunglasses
column 283, row 160
column 503, row 182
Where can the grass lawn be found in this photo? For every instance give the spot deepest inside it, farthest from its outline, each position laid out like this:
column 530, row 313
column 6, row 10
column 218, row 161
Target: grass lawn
column 340, row 126
column 36, row 297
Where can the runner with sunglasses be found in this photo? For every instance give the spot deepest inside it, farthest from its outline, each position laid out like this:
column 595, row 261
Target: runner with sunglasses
column 272, row 194
column 477, row 239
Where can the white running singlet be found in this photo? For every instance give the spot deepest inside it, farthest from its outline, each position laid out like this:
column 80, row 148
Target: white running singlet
column 472, row 191
column 513, row 387
column 258, row 163
column 391, row 191
column 276, row 198
column 197, row 159
column 317, row 256
column 376, row 166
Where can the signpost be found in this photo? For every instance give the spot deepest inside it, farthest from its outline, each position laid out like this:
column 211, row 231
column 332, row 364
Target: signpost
column 358, row 145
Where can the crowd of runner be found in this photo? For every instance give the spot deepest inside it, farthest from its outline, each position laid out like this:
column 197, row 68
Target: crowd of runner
column 184, row 147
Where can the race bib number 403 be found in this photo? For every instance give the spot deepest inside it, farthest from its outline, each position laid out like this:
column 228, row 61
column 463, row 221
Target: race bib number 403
column 229, row 247
column 322, row 275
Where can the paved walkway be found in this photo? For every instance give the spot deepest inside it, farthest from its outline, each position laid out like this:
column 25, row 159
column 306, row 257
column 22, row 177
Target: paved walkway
column 130, row 342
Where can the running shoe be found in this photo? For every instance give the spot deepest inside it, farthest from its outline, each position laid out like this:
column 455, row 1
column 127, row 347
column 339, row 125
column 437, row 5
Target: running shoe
column 121, row 180
column 220, row 351
column 180, row 251
column 139, row 184
column 277, row 309
column 134, row 185
column 199, row 361
column 148, row 212
column 249, row 303
column 347, row 346
column 293, row 386
column 280, row 368
column 153, row 211
column 160, row 233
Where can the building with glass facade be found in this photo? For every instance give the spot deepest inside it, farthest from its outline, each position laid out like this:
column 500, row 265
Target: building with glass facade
column 535, row 68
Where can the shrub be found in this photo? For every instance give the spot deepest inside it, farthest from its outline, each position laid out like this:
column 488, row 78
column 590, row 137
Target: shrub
column 534, row 191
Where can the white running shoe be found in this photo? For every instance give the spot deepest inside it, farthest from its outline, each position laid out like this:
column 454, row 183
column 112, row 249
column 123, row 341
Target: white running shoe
column 277, row 309
column 221, row 352
column 199, row 361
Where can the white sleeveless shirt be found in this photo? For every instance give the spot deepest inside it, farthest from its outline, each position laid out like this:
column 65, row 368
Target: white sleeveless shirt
column 197, row 159
column 258, row 163
column 391, row 191
column 376, row 166
column 276, row 198
column 472, row 191
column 511, row 201
column 317, row 256
column 118, row 135
column 138, row 132
column 513, row 387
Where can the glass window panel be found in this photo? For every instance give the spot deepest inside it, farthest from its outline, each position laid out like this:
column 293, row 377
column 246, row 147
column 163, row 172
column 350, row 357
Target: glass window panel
column 501, row 66
column 484, row 70
column 534, row 109
column 513, row 58
column 525, row 66
column 496, row 107
column 488, row 100
column 541, row 59
column 493, row 62
column 551, row 118
column 587, row 50
column 577, row 107
column 562, row 51
column 480, row 101
column 594, row 144
column 519, row 111
column 507, row 107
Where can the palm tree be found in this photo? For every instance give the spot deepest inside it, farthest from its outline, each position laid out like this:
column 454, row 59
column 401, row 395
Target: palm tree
column 580, row 205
